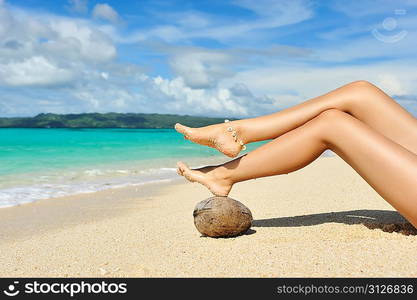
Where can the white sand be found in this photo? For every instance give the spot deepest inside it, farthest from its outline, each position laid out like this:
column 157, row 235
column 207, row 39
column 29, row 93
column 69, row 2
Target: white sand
column 307, row 223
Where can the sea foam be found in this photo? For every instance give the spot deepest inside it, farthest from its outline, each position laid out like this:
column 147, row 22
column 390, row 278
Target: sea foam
column 87, row 181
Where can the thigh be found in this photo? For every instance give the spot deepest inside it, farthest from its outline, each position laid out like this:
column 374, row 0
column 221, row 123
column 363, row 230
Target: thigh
column 387, row 166
column 372, row 106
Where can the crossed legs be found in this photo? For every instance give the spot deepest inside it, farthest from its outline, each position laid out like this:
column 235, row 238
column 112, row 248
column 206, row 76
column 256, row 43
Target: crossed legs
column 360, row 99
column 381, row 152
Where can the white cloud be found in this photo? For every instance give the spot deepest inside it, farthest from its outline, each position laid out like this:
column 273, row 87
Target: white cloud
column 205, row 68
column 392, row 85
column 35, row 70
column 201, row 68
column 190, row 25
column 369, row 46
column 99, row 99
column 105, row 75
column 291, row 84
column 48, row 50
column 271, row 14
column 78, row 6
column 248, row 93
column 357, row 9
column 290, row 11
column 153, row 94
column 82, row 39
column 217, row 101
column 192, row 19
column 106, row 12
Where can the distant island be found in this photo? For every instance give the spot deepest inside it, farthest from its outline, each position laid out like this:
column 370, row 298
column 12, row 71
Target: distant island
column 106, row 120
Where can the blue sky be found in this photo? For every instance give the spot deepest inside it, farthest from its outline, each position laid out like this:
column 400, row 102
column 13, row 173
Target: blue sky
column 236, row 58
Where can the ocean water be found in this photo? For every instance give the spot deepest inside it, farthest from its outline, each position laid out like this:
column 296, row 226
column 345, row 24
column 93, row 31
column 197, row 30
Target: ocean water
column 43, row 163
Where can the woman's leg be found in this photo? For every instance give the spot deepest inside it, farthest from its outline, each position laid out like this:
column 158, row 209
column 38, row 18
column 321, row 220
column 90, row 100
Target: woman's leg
column 388, row 167
column 361, row 99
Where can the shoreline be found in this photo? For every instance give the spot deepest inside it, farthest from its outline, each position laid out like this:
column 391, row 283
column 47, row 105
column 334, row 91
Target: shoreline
column 309, row 223
column 78, row 180
column 82, row 208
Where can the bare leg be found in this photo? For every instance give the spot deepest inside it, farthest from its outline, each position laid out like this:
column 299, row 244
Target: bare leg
column 361, row 99
column 388, row 167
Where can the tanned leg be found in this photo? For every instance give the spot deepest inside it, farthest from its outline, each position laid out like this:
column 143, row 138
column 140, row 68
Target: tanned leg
column 387, row 166
column 360, row 99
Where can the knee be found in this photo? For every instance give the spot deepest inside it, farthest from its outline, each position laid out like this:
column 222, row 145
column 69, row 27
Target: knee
column 361, row 84
column 362, row 87
column 361, row 93
column 331, row 120
column 332, row 115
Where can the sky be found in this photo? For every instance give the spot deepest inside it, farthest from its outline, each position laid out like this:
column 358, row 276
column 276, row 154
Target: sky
column 238, row 58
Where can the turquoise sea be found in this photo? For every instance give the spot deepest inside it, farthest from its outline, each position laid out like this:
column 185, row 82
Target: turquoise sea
column 43, row 163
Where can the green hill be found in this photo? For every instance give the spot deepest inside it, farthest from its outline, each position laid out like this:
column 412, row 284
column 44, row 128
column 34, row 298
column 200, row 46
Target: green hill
column 106, row 120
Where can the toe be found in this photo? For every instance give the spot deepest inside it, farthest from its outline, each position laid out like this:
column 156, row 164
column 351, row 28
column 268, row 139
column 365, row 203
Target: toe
column 186, row 131
column 179, row 171
column 181, row 167
column 185, row 171
column 180, row 128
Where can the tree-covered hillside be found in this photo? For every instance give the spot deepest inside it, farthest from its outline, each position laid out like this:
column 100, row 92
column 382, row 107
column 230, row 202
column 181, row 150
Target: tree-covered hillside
column 106, row 120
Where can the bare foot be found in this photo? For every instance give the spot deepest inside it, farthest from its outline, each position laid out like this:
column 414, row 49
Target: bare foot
column 215, row 136
column 206, row 176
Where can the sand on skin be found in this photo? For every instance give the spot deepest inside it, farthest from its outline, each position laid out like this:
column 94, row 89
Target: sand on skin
column 307, row 223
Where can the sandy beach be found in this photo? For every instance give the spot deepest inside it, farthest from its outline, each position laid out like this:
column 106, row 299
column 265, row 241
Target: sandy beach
column 306, row 224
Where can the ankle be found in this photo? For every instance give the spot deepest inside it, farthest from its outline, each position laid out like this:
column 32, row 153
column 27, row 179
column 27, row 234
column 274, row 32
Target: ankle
column 223, row 174
column 235, row 129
